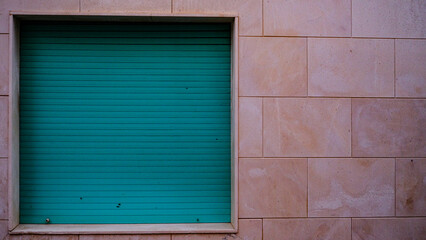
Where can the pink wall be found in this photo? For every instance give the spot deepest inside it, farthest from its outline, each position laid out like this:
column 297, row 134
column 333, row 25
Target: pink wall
column 332, row 114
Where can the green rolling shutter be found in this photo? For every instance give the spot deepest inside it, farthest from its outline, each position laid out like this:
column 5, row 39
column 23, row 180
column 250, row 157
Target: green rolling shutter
column 125, row 122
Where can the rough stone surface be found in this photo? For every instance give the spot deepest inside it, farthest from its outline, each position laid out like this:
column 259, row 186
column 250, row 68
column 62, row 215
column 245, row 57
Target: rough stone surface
column 410, row 68
column 43, row 237
column 3, row 229
column 307, row 127
column 273, row 66
column 249, row 229
column 163, row 6
column 351, row 187
column 388, row 128
column 249, row 11
column 411, row 187
column 4, row 113
column 351, row 67
column 250, row 127
column 308, row 18
column 4, row 64
column 389, row 18
column 3, row 188
column 389, row 229
column 307, row 229
column 202, row 237
column 125, row 237
column 272, row 187
column 63, row 6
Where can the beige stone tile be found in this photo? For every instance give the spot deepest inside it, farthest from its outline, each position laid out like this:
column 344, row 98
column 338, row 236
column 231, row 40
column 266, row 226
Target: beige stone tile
column 389, row 18
column 149, row 6
column 44, row 237
column 307, row 18
column 250, row 127
column 202, row 237
column 388, row 128
column 307, row 229
column 4, row 64
column 349, row 187
column 411, row 187
column 272, row 187
column 249, row 11
column 3, row 229
column 4, row 16
column 351, row 67
column 63, row 6
column 389, row 229
column 3, row 188
column 4, row 126
column 307, row 127
column 249, row 229
column 410, row 68
column 273, row 66
column 125, row 237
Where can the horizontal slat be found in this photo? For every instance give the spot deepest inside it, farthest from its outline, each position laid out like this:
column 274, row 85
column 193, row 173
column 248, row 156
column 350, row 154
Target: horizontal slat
column 140, row 194
column 120, row 161
column 54, row 110
column 84, row 181
column 120, row 93
column 123, row 163
column 130, row 212
column 66, row 132
column 35, row 26
column 121, row 199
column 169, row 71
column 128, row 206
column 125, row 145
column 139, row 139
column 125, row 84
column 125, row 169
column 122, row 78
column 135, row 101
column 209, row 218
column 124, row 53
column 121, row 65
column 127, row 126
column 130, row 34
column 160, row 59
column 125, row 120
column 125, row 41
column 117, row 187
column 139, row 150
column 114, row 47
column 157, row 158
column 108, row 95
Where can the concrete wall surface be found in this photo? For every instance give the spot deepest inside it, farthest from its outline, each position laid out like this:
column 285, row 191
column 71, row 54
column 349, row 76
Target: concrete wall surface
column 332, row 115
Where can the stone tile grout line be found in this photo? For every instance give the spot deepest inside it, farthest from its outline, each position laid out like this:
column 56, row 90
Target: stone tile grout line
column 394, row 68
column 263, row 120
column 394, row 188
column 307, row 67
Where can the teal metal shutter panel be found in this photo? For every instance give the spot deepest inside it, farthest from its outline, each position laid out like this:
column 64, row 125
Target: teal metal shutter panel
column 125, row 122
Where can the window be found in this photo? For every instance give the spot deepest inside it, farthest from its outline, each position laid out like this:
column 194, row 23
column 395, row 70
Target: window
column 125, row 122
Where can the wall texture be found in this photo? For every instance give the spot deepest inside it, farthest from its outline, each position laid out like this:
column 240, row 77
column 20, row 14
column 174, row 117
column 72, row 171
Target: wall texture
column 332, row 115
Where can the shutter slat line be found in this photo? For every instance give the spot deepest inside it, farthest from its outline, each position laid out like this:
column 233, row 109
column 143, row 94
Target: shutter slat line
column 125, row 122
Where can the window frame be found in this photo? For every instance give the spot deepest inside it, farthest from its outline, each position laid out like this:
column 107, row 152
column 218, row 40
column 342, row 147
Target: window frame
column 13, row 169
